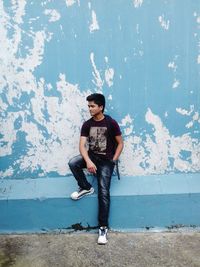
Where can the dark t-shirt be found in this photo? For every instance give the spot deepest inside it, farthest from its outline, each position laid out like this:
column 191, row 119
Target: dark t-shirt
column 99, row 140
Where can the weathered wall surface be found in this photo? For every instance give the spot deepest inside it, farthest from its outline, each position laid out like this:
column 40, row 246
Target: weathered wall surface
column 144, row 55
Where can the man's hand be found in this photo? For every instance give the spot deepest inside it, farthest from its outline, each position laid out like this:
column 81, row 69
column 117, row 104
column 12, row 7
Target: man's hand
column 91, row 167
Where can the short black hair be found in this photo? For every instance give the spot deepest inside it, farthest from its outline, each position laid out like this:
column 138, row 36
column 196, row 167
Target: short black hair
column 98, row 99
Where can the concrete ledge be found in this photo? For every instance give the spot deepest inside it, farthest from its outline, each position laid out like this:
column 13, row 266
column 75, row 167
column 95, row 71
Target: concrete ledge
column 44, row 204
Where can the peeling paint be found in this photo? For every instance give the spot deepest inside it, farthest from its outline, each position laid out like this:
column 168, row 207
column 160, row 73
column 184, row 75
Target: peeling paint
column 173, row 66
column 72, row 2
column 163, row 22
column 137, row 3
column 176, row 83
column 94, row 26
column 53, row 14
column 48, row 69
column 96, row 74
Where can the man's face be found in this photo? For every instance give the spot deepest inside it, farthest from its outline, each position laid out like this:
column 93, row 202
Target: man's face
column 94, row 108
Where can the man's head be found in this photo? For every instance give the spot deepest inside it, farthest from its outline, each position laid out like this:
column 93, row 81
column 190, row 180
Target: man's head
column 97, row 99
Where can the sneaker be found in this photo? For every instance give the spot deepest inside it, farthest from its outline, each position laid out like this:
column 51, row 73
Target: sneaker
column 81, row 193
column 103, row 231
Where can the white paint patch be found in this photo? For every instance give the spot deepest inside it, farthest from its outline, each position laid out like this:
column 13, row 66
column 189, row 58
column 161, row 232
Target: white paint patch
column 195, row 118
column 109, row 74
column 19, row 10
column 172, row 65
column 176, row 83
column 94, row 26
column 7, row 173
column 127, row 125
column 198, row 59
column 164, row 23
column 158, row 152
column 184, row 111
column 70, row 2
column 53, row 153
column 137, row 3
column 137, row 29
column 96, row 74
column 126, row 120
column 9, row 133
column 53, row 14
column 110, row 97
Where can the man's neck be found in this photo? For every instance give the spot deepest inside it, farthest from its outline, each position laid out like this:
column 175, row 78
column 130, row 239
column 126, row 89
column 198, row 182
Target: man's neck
column 99, row 117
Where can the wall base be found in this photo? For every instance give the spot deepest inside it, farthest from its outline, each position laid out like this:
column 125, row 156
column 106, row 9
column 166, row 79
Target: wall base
column 145, row 202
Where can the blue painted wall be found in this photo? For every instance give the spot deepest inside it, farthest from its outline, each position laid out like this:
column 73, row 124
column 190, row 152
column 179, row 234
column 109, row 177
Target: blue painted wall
column 144, row 55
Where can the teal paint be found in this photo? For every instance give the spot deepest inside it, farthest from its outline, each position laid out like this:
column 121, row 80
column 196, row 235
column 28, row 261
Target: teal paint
column 143, row 55
column 160, row 201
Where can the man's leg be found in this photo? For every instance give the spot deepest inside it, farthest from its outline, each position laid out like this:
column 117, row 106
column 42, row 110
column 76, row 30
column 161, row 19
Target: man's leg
column 76, row 165
column 105, row 170
column 104, row 173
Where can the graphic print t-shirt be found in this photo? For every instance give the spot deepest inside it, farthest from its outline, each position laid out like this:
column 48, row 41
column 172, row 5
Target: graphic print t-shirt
column 99, row 140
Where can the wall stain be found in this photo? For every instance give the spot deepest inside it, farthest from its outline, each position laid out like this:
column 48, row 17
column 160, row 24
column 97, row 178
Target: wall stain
column 8, row 253
column 79, row 227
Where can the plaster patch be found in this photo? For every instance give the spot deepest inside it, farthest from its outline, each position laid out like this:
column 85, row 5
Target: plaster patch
column 109, row 74
column 8, row 173
column 53, row 14
column 19, row 10
column 126, row 120
column 176, row 83
column 137, row 3
column 158, row 152
column 53, row 152
column 94, row 26
column 164, row 23
column 198, row 59
column 184, row 111
column 70, row 2
column 127, row 125
column 9, row 134
column 173, row 66
column 195, row 118
column 106, row 59
column 96, row 74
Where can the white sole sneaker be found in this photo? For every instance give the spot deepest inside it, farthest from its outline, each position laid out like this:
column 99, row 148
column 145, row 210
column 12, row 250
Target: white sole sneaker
column 102, row 239
column 81, row 193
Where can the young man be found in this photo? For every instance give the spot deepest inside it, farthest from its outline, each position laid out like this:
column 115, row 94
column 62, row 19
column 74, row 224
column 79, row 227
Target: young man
column 103, row 136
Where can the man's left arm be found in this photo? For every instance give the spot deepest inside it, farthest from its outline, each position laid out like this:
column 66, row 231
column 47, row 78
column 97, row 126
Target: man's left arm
column 120, row 145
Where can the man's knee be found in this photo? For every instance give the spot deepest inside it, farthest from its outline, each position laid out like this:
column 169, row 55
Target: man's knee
column 74, row 161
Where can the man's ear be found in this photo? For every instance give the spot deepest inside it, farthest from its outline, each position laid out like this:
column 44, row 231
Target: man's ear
column 101, row 107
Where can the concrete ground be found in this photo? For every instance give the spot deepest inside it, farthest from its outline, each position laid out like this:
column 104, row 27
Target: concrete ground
column 80, row 249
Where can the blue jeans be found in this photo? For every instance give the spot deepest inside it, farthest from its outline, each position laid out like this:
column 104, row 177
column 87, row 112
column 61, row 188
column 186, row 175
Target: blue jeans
column 104, row 173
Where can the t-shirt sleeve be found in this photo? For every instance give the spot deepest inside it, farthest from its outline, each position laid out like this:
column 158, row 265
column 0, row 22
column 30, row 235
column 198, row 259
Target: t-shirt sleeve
column 115, row 128
column 85, row 129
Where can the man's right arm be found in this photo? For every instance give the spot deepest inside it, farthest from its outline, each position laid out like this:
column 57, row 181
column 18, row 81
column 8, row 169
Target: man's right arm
column 91, row 167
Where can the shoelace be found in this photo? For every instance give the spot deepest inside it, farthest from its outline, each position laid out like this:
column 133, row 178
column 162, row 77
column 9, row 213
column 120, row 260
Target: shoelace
column 103, row 231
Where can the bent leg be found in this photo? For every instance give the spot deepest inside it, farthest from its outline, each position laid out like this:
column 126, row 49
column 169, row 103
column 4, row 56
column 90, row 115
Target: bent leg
column 76, row 165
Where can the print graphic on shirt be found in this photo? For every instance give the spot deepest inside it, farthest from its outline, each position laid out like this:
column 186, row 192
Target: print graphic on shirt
column 98, row 140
